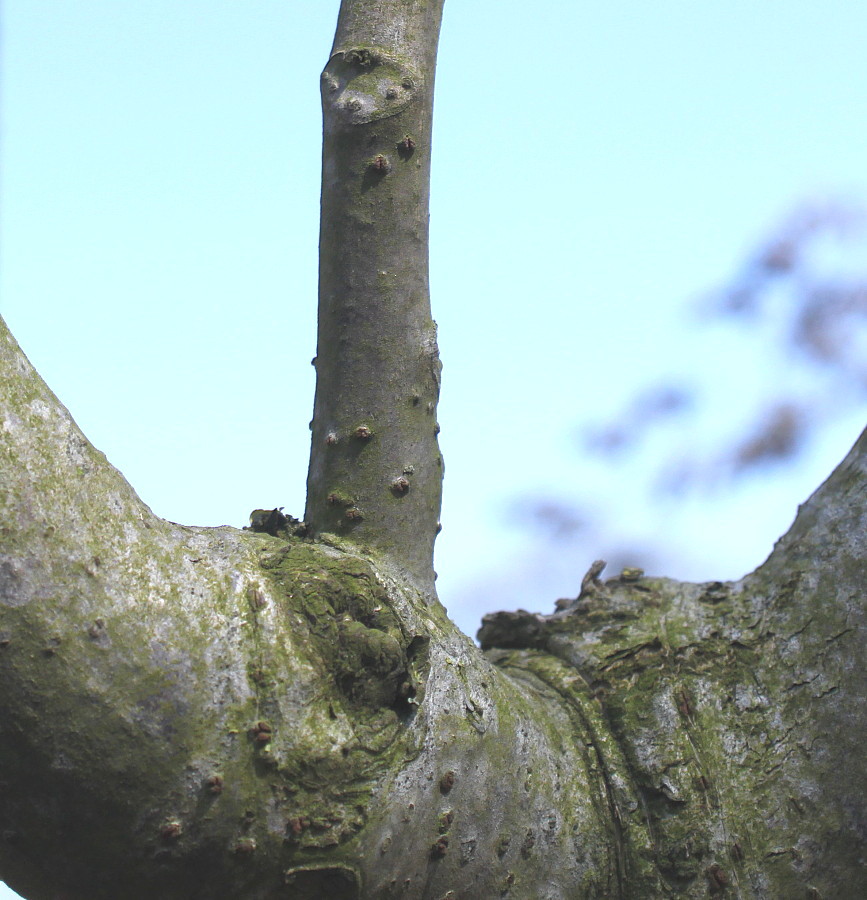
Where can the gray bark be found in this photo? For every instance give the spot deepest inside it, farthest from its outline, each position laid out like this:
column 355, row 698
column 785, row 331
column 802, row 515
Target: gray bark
column 217, row 713
column 375, row 468
column 731, row 715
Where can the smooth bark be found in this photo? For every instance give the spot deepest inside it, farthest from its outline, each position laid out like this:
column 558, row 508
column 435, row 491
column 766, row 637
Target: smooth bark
column 375, row 468
column 217, row 713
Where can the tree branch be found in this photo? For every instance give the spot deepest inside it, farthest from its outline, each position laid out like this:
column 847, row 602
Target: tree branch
column 195, row 712
column 375, row 467
column 728, row 718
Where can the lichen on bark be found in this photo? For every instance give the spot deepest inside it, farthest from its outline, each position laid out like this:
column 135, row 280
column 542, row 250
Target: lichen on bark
column 224, row 713
column 724, row 714
column 191, row 712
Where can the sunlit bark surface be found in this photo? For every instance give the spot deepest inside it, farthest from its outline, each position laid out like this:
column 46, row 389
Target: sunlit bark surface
column 207, row 713
column 190, row 712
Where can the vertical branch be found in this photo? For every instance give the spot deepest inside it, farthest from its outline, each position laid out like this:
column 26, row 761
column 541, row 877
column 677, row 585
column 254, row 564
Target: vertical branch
column 375, row 468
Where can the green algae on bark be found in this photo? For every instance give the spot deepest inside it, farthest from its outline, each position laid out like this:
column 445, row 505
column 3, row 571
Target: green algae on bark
column 712, row 709
column 209, row 712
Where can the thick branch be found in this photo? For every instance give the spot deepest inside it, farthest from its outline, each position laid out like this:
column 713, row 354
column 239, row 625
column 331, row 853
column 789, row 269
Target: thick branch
column 375, row 467
column 730, row 717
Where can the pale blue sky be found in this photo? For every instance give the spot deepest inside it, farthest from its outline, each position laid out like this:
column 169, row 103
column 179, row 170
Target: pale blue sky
column 595, row 165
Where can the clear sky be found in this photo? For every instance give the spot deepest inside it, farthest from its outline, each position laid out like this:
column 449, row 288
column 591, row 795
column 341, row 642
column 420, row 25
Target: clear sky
column 595, row 165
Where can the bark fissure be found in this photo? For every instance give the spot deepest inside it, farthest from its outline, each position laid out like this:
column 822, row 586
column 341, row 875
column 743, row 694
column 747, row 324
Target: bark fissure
column 565, row 687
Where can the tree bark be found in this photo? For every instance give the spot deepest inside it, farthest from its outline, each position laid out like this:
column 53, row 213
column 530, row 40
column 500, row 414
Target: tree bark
column 212, row 713
column 375, row 468
column 217, row 713
column 731, row 716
